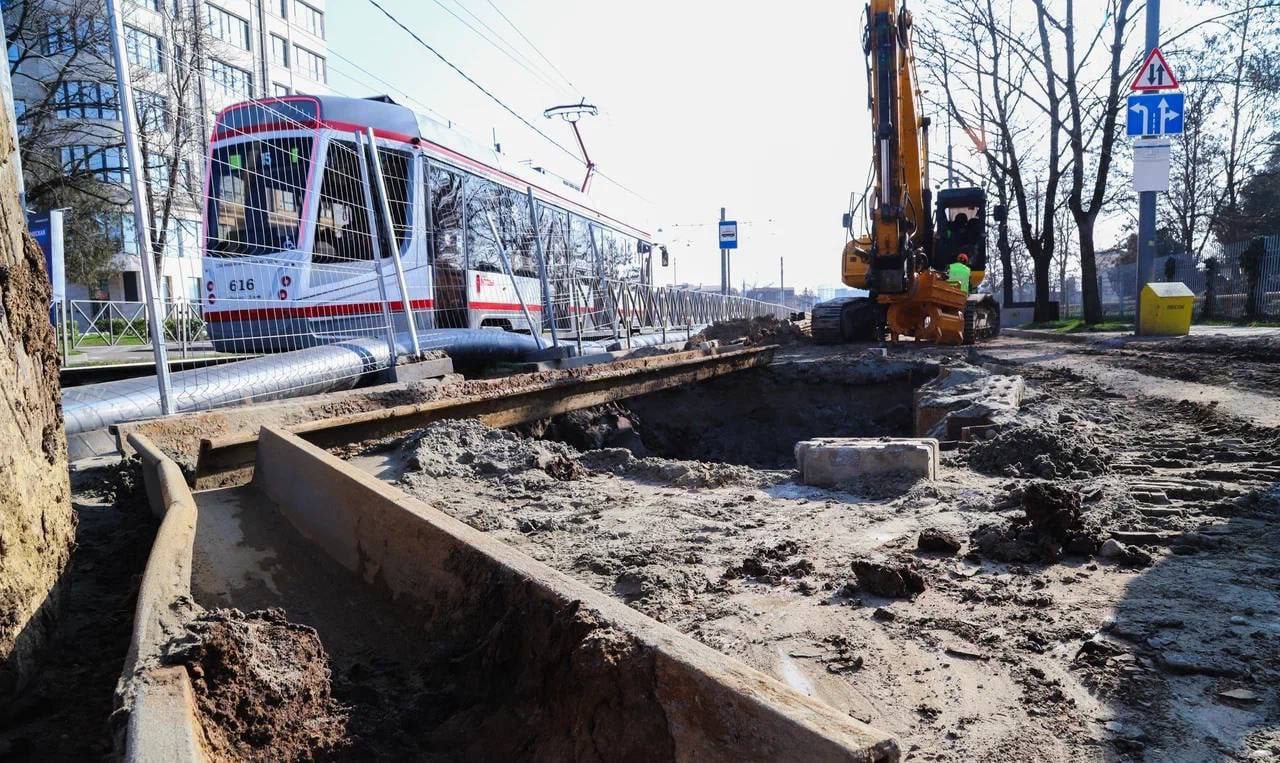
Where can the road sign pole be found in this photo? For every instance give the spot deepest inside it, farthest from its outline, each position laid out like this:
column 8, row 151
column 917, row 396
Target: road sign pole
column 1147, row 199
column 724, row 263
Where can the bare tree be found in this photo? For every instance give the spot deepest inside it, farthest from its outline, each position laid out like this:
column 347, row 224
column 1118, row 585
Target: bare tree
column 1092, row 123
column 1020, row 100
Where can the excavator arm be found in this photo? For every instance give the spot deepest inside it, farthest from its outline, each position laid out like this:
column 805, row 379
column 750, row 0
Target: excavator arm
column 900, row 205
column 899, row 259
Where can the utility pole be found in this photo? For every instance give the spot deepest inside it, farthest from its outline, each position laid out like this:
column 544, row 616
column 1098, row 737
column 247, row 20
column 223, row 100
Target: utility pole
column 782, row 281
column 1147, row 199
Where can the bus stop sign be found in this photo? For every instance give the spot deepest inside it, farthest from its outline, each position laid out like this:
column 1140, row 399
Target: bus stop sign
column 728, row 234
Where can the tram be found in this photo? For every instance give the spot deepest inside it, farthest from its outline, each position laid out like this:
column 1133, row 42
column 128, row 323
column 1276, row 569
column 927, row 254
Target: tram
column 296, row 250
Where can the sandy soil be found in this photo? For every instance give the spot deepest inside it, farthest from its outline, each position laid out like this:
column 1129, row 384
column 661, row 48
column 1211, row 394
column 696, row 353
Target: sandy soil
column 1125, row 609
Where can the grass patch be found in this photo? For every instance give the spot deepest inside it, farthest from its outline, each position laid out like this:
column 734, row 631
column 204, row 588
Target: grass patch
column 100, row 341
column 1077, row 325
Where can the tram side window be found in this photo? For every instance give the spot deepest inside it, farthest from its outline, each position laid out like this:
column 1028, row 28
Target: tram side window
column 581, row 255
column 342, row 222
column 445, row 197
column 517, row 235
column 483, row 201
column 397, row 170
column 552, row 227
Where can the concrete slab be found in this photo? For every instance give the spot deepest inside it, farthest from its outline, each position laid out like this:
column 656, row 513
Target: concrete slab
column 966, row 397
column 831, row 461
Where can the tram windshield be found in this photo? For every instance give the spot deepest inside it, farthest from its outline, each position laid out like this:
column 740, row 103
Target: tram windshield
column 256, row 193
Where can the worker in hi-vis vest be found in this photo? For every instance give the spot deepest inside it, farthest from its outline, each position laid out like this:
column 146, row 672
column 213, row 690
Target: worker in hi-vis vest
column 959, row 272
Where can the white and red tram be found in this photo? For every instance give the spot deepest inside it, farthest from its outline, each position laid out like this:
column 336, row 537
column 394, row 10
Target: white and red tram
column 290, row 256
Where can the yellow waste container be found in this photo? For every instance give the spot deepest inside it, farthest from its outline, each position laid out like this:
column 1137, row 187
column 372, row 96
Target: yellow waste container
column 1165, row 309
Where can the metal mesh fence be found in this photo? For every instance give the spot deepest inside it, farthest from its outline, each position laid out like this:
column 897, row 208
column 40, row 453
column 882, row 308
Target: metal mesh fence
column 1221, row 277
column 345, row 243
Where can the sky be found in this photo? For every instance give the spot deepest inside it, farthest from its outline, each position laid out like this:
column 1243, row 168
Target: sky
column 756, row 107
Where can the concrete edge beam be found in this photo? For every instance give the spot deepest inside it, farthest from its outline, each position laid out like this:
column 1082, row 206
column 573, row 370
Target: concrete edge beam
column 716, row 707
column 156, row 703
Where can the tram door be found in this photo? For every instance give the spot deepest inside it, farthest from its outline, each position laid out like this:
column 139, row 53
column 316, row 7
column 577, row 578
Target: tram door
column 448, row 267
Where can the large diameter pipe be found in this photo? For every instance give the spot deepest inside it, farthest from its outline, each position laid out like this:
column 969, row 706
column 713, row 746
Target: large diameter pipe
column 311, row 371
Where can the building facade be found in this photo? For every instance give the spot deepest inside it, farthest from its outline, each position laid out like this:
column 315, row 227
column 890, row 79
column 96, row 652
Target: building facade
column 188, row 59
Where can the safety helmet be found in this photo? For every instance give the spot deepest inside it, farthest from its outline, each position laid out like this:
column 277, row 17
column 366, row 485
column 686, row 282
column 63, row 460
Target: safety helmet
column 962, row 257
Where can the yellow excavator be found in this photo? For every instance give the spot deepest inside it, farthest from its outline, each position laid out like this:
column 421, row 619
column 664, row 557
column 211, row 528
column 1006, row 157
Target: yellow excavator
column 903, row 259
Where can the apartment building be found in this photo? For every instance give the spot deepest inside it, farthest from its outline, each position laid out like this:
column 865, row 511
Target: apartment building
column 248, row 49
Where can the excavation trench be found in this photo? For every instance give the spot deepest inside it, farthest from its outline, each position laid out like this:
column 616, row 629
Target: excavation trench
column 434, row 641
column 754, row 417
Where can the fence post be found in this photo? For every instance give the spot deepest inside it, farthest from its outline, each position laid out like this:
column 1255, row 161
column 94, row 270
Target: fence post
column 367, row 189
column 393, row 247
column 124, row 91
column 548, row 310
column 573, row 308
column 506, row 264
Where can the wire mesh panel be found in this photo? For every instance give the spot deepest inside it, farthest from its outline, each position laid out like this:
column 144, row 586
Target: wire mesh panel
column 328, row 226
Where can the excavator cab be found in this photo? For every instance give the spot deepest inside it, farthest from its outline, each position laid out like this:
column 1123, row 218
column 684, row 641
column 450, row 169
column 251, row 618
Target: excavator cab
column 961, row 228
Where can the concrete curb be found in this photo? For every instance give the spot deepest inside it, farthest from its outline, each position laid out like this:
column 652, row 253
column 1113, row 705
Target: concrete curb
column 154, row 704
column 715, row 707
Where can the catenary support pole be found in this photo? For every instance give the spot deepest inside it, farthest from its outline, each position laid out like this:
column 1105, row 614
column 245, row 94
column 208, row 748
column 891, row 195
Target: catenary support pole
column 724, row 263
column 142, row 228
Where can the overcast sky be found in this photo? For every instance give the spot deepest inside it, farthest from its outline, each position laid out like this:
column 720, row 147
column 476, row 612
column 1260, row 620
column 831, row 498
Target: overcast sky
column 758, row 107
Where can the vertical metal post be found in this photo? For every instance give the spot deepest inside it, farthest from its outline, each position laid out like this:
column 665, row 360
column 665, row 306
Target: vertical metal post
column 1147, row 199
column 724, row 261
column 393, row 246
column 573, row 308
column 363, row 163
column 141, row 229
column 548, row 312
column 515, row 285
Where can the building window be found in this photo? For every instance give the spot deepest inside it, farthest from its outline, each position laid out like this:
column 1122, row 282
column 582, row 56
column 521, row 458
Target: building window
column 228, row 27
column 167, row 7
column 145, row 49
column 279, row 51
column 86, row 100
column 14, row 53
column 284, row 9
column 231, row 81
column 66, row 34
column 279, row 90
column 310, row 65
column 153, row 111
column 308, row 18
column 106, row 163
column 20, row 110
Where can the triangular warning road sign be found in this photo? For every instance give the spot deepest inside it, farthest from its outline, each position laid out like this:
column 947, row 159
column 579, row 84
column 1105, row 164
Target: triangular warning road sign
column 1154, row 74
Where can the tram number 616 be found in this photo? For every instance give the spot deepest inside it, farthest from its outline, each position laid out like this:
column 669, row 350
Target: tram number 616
column 241, row 284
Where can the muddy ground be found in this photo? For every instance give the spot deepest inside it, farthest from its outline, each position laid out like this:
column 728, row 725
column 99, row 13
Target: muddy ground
column 63, row 713
column 1099, row 582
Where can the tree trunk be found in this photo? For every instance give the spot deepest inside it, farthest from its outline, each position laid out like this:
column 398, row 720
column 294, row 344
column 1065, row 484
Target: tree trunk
column 1089, row 274
column 36, row 523
column 1043, row 311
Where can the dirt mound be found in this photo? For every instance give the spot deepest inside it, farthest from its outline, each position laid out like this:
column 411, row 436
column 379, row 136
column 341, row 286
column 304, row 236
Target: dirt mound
column 893, row 578
column 753, row 331
column 606, row 426
column 262, row 686
column 467, row 448
column 772, row 564
column 1054, row 524
column 937, row 541
column 686, row 474
column 1048, row 451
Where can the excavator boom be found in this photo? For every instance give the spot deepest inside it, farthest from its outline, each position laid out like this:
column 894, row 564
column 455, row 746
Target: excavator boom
column 902, row 260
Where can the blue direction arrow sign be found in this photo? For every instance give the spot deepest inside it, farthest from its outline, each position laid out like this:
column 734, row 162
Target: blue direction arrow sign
column 1155, row 114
